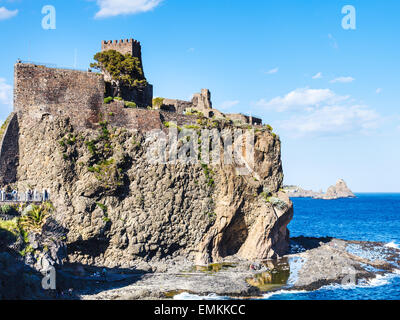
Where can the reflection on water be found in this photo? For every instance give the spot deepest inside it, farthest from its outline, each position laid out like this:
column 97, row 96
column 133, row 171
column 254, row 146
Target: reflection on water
column 213, row 268
column 276, row 275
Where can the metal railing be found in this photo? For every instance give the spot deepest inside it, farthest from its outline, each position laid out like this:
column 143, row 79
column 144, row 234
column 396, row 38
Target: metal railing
column 28, row 196
column 51, row 65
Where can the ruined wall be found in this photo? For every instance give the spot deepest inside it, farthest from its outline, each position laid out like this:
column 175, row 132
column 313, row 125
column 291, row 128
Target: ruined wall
column 244, row 119
column 9, row 151
column 174, row 105
column 142, row 119
column 202, row 100
column 135, row 119
column 179, row 119
column 142, row 96
column 41, row 92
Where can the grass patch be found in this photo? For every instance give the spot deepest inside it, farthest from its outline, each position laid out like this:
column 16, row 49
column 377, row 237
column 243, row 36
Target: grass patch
column 130, row 105
column 172, row 125
column 108, row 100
column 104, row 208
column 158, row 102
column 10, row 226
column 209, row 175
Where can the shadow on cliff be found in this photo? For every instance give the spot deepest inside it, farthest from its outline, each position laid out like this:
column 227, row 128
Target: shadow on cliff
column 76, row 279
column 18, row 281
column 307, row 243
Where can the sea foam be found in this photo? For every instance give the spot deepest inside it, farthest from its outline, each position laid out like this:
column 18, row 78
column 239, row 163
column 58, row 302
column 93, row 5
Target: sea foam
column 392, row 244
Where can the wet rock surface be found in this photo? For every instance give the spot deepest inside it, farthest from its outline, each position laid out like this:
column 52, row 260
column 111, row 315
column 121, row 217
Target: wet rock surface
column 314, row 262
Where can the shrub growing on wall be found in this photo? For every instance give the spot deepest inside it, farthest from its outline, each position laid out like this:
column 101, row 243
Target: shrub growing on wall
column 121, row 69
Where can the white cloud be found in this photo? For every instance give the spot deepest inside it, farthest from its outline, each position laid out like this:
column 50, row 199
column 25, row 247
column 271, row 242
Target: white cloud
column 6, row 14
column 112, row 8
column 343, row 80
column 6, row 93
column 228, row 104
column 318, row 76
column 272, row 71
column 321, row 112
column 303, row 98
column 333, row 120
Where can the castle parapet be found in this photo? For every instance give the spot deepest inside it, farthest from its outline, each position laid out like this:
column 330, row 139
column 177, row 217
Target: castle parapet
column 124, row 46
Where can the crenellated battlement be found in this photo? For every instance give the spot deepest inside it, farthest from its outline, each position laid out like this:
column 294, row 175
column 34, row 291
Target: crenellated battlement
column 122, row 41
column 123, row 46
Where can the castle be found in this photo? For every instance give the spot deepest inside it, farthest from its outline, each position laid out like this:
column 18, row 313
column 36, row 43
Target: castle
column 41, row 92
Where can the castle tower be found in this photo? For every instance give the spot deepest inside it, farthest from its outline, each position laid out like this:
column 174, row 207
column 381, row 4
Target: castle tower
column 130, row 46
column 142, row 96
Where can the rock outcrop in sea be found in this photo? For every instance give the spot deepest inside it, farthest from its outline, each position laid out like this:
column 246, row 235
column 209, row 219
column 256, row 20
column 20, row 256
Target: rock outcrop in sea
column 338, row 191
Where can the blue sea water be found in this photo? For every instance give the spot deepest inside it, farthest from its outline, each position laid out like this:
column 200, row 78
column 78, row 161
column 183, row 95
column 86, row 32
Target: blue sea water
column 369, row 217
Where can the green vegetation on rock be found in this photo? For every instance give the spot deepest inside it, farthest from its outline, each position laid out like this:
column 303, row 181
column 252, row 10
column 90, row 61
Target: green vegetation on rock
column 157, row 102
column 4, row 126
column 102, row 163
column 36, row 216
column 209, row 175
column 105, row 211
column 108, row 100
column 130, row 104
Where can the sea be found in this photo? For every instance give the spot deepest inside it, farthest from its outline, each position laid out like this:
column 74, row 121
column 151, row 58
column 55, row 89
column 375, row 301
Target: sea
column 368, row 217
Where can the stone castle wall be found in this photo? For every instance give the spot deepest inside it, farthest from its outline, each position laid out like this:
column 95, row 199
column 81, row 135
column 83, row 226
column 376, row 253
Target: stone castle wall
column 175, row 105
column 40, row 92
column 244, row 119
column 142, row 119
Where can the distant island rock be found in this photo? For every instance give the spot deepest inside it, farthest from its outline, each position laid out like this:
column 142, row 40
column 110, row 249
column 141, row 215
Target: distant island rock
column 338, row 191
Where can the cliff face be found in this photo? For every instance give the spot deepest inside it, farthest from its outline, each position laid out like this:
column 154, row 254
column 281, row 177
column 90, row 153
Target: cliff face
column 122, row 210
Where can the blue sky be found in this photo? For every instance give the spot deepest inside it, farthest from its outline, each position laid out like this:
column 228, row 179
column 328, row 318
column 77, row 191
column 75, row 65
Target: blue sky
column 330, row 93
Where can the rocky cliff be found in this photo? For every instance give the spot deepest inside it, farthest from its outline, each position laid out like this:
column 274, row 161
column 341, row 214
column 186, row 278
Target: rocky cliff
column 121, row 210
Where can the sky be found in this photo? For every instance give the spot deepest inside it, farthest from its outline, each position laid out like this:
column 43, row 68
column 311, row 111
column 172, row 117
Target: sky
column 327, row 80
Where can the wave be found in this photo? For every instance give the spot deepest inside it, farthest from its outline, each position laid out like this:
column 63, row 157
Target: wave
column 393, row 245
column 378, row 281
column 295, row 263
column 268, row 295
column 192, row 297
